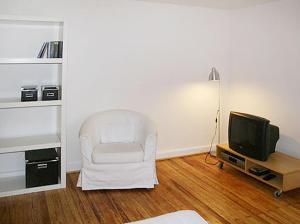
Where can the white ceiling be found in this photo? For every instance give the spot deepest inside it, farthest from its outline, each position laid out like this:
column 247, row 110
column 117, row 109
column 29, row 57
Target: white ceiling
column 221, row 4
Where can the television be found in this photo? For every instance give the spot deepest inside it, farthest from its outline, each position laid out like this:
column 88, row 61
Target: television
column 252, row 136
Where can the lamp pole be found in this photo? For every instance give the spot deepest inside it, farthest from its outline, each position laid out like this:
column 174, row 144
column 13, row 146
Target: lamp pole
column 215, row 76
column 219, row 113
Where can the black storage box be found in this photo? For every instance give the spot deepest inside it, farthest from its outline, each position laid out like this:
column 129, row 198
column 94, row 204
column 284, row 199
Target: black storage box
column 41, row 167
column 50, row 92
column 29, row 93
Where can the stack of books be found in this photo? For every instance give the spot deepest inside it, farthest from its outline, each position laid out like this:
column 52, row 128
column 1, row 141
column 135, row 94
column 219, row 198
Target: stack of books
column 52, row 49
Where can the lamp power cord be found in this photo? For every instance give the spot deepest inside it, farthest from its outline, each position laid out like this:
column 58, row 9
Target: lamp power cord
column 208, row 154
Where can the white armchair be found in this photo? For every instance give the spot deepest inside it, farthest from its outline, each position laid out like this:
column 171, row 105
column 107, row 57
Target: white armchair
column 118, row 149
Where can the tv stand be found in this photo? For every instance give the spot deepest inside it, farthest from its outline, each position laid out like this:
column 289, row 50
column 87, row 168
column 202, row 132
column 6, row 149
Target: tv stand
column 286, row 168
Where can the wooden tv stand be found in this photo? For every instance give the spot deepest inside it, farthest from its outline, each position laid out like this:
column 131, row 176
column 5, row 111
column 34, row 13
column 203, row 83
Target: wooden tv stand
column 285, row 167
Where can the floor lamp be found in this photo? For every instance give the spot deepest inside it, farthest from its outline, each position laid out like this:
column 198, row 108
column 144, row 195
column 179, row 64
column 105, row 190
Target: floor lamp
column 215, row 76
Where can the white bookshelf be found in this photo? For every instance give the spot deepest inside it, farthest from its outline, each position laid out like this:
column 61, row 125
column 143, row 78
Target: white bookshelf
column 19, row 66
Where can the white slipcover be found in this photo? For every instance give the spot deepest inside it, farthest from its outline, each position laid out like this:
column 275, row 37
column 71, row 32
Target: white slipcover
column 180, row 217
column 118, row 149
column 118, row 153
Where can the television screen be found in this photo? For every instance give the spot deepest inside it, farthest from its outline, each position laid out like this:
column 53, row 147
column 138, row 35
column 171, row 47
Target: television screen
column 251, row 135
column 245, row 133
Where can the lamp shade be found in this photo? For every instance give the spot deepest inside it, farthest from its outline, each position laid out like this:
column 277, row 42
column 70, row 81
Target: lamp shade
column 214, row 75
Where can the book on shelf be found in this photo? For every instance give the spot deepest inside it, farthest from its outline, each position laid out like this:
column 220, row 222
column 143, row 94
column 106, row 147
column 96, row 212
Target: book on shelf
column 52, row 49
column 43, row 50
column 60, row 49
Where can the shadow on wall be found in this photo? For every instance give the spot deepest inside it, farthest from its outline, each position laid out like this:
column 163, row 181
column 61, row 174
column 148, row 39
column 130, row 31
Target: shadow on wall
column 288, row 145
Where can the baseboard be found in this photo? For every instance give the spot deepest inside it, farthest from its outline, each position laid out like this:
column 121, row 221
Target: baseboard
column 167, row 154
column 73, row 166
column 162, row 154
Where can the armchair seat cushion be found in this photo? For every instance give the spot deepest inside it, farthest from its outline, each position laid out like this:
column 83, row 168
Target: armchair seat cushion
column 117, row 153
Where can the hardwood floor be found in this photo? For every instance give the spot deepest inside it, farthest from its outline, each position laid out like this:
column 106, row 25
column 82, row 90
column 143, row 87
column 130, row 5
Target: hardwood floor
column 219, row 196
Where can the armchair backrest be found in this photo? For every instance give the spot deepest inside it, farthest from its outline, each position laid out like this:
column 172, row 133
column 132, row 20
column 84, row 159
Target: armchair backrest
column 114, row 126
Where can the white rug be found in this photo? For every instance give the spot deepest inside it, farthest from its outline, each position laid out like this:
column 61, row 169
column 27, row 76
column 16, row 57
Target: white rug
column 180, row 217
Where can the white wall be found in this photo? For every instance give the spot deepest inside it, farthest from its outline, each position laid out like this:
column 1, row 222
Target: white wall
column 265, row 67
column 153, row 58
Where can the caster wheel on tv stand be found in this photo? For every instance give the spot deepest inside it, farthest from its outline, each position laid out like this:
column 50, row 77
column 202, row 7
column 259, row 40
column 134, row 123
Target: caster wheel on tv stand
column 221, row 165
column 277, row 193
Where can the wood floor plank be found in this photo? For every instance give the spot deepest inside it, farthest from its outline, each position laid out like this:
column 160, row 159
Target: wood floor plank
column 220, row 196
column 84, row 210
column 39, row 206
column 223, row 205
column 4, row 210
column 20, row 209
column 254, row 192
column 191, row 202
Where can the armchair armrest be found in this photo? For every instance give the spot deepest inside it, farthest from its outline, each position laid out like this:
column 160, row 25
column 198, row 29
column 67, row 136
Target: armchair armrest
column 87, row 141
column 86, row 149
column 148, row 139
column 150, row 147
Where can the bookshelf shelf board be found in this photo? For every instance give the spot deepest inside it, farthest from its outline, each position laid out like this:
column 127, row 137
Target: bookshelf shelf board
column 31, row 60
column 35, row 20
column 276, row 182
column 236, row 167
column 16, row 103
column 22, row 144
column 15, row 185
